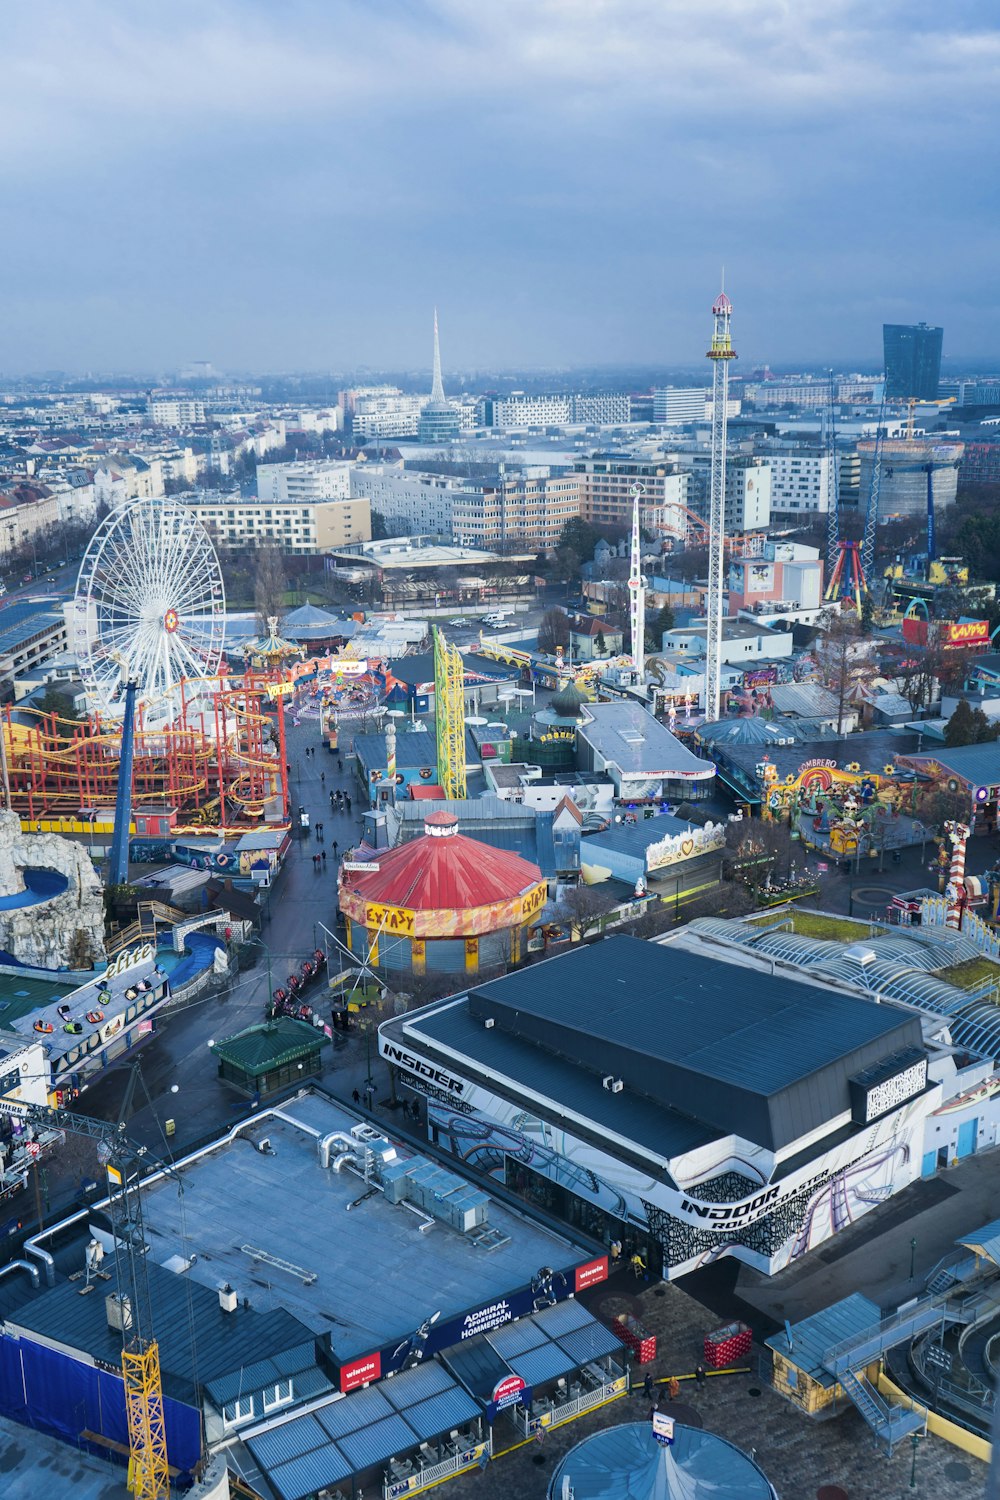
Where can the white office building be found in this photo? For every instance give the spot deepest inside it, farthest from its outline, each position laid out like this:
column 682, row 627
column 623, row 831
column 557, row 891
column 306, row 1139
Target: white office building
column 803, row 480
column 677, row 405
column 387, row 414
column 318, row 479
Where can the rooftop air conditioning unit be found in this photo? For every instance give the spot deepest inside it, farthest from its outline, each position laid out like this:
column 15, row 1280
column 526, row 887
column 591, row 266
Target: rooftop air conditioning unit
column 489, row 1023
column 617, row 1086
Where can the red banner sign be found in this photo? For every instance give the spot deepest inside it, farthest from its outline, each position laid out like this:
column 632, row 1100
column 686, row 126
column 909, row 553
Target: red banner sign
column 360, row 1371
column 953, row 635
column 591, row 1273
column 507, row 1391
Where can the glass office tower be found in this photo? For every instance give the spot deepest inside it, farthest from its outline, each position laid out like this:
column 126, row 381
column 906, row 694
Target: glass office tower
column 912, row 360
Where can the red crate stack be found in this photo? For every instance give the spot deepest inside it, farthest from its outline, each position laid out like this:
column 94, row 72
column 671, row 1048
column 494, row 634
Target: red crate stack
column 724, row 1346
column 641, row 1342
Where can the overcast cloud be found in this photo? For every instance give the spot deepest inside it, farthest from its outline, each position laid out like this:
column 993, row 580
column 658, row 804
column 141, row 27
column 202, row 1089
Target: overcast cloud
column 293, row 186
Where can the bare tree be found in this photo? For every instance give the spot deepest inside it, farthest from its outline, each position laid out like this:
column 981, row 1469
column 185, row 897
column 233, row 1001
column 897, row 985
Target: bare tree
column 838, row 652
column 270, row 583
column 553, row 631
column 583, row 907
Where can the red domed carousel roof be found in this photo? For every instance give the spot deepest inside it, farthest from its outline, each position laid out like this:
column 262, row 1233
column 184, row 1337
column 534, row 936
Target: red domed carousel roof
column 443, row 870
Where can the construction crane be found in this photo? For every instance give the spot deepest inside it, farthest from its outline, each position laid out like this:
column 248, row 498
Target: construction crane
column 915, row 401
column 123, row 1161
column 449, row 714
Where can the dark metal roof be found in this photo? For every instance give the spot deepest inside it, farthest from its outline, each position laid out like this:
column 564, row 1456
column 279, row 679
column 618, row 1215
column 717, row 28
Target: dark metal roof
column 765, row 1056
column 979, row 765
column 199, row 1343
column 498, row 1055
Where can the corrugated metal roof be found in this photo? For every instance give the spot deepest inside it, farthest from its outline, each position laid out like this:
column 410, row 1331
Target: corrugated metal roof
column 977, row 764
column 564, row 1317
column 314, row 1471
column 373, row 1445
column 354, row 1411
column 289, row 1440
column 411, row 1386
column 441, row 1413
column 588, row 1343
column 517, row 1338
column 542, row 1364
column 270, row 1044
column 812, row 1337
column 985, row 1241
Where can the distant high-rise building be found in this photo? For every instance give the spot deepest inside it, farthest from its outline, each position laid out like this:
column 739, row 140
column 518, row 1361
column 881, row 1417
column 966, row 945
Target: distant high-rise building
column 439, row 421
column 912, row 360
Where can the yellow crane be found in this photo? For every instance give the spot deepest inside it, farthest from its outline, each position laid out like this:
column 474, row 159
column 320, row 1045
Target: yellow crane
column 916, row 401
column 123, row 1161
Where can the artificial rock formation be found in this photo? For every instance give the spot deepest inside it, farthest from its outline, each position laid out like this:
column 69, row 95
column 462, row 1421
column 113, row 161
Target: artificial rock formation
column 43, row 935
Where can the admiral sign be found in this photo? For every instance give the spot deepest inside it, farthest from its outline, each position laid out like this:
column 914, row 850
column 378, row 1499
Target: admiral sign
column 510, row 1391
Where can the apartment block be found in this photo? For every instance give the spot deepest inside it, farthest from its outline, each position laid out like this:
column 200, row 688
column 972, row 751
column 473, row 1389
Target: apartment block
column 599, row 409
column 607, row 486
column 293, row 526
column 524, row 510
column 307, row 481
column 173, row 411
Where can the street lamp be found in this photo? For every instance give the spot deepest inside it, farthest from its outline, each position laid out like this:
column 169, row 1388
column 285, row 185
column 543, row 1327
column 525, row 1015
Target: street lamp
column 915, row 1440
column 913, row 1258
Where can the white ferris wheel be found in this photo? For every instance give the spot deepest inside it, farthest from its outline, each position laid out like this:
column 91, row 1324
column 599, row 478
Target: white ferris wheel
column 149, row 605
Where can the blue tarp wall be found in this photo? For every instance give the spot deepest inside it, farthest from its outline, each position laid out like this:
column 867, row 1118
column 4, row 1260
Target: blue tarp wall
column 57, row 1394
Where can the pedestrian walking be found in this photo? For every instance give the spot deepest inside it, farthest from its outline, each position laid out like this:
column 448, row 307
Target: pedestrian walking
column 332, row 801
column 340, row 764
column 673, row 1387
column 356, row 1097
column 335, row 848
column 699, row 1374
column 323, row 857
column 322, row 777
column 347, row 802
column 647, row 1386
column 415, row 1110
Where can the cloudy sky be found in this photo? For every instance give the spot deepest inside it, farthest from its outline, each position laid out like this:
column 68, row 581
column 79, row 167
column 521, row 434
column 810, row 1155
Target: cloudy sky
column 293, row 185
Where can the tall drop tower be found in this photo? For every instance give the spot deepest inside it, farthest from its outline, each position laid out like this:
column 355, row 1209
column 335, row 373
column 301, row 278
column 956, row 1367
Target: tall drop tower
column 637, row 589
column 721, row 353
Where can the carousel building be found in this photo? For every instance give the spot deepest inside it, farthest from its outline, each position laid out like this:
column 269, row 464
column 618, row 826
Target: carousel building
column 442, row 903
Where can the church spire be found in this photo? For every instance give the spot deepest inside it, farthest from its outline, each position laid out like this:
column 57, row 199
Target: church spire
column 437, row 389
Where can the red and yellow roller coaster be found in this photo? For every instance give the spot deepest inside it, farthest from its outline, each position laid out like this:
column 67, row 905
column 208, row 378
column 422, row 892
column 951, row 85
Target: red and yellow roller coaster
column 219, row 760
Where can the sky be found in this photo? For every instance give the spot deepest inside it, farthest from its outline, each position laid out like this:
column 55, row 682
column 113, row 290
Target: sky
column 294, row 186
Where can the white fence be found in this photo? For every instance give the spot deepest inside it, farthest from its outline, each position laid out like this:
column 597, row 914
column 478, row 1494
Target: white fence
column 934, row 913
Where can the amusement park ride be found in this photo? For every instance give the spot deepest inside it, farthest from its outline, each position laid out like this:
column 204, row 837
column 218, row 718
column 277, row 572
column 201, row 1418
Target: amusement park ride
column 206, row 739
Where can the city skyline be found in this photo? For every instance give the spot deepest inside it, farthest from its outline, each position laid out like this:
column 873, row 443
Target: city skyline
column 295, row 190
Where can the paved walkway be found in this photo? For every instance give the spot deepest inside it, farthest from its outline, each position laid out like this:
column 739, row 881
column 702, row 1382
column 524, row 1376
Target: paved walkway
column 874, row 1255
column 799, row 1456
